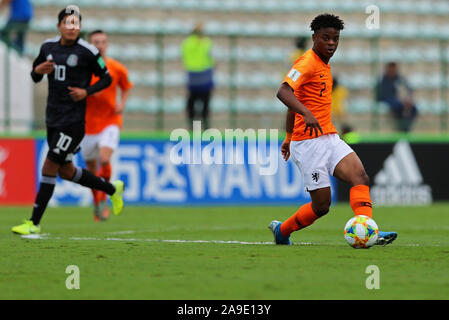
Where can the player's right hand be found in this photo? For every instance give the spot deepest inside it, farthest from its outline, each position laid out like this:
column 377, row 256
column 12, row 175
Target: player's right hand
column 46, row 67
column 285, row 149
column 312, row 124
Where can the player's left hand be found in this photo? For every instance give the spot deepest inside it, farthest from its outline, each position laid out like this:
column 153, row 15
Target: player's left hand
column 77, row 94
column 285, row 149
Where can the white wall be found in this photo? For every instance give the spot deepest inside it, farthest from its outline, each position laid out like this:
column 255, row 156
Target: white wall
column 21, row 92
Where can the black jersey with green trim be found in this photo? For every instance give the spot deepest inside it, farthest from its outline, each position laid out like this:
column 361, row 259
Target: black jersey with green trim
column 74, row 66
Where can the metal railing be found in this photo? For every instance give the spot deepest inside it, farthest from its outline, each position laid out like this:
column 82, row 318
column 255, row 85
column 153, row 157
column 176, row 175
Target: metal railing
column 9, row 122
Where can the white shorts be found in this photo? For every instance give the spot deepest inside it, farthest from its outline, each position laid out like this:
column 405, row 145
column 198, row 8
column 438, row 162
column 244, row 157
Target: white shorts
column 91, row 144
column 317, row 158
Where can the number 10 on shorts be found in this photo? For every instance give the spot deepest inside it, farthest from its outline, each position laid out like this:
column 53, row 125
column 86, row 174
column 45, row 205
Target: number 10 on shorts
column 63, row 142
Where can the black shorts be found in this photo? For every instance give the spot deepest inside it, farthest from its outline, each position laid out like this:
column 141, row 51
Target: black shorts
column 64, row 142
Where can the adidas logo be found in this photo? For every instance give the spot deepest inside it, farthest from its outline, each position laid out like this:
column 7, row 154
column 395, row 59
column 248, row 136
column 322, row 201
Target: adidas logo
column 400, row 182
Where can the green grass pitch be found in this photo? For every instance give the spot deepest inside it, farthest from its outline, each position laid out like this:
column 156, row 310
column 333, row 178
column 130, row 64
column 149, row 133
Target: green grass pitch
column 129, row 257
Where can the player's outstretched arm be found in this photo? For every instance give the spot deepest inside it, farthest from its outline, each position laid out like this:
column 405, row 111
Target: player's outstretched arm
column 286, row 95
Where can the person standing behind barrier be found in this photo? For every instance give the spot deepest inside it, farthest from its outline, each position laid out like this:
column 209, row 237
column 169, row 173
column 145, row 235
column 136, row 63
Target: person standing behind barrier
column 394, row 90
column 339, row 95
column 300, row 48
column 20, row 14
column 196, row 51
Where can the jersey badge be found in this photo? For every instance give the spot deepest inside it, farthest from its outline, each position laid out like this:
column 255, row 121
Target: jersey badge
column 72, row 60
column 294, row 74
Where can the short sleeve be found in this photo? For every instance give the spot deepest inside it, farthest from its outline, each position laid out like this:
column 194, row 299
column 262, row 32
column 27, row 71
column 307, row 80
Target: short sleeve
column 123, row 81
column 298, row 75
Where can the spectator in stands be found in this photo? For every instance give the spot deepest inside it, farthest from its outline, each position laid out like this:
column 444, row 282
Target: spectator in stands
column 20, row 14
column 300, row 48
column 339, row 95
column 394, row 90
column 197, row 59
column 349, row 135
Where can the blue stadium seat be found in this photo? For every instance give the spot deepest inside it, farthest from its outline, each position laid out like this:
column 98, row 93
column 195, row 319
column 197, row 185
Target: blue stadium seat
column 150, row 27
column 233, row 23
column 267, row 6
column 219, row 104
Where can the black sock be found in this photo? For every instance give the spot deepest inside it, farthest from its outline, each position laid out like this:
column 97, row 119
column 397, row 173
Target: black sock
column 46, row 188
column 88, row 179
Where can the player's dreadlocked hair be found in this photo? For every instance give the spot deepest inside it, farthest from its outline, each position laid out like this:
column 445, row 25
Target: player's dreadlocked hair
column 327, row 20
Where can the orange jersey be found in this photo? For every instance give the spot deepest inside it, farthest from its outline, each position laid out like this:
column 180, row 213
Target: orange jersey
column 311, row 81
column 100, row 108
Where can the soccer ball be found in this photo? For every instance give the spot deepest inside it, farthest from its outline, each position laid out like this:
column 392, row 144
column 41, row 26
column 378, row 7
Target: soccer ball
column 361, row 232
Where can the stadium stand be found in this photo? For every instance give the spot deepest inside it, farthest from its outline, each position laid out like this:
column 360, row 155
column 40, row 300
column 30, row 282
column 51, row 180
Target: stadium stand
column 253, row 40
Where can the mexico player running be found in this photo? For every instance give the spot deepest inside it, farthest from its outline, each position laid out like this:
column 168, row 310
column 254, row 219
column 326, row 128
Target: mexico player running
column 104, row 121
column 312, row 140
column 69, row 63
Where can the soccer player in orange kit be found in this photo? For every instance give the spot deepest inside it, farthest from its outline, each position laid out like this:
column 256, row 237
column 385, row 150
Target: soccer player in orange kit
column 312, row 140
column 104, row 121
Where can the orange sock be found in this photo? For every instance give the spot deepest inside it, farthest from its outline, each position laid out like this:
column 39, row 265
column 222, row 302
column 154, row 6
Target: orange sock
column 96, row 198
column 360, row 200
column 302, row 218
column 105, row 171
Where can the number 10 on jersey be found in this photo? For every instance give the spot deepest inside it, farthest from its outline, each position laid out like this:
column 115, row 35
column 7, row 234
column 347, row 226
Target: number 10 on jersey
column 60, row 73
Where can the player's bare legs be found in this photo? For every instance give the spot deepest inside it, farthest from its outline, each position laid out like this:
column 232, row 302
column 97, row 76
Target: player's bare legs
column 305, row 216
column 91, row 166
column 321, row 201
column 105, row 155
column 100, row 202
column 66, row 171
column 50, row 168
column 351, row 170
column 47, row 185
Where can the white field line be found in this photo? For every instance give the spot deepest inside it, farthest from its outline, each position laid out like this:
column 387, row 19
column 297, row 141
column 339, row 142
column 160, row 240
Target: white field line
column 46, row 236
column 122, row 232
